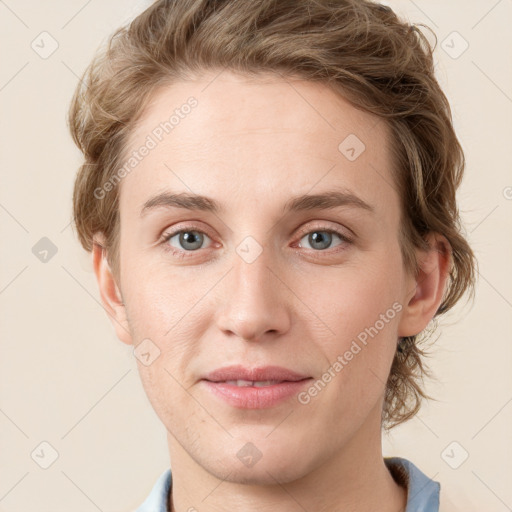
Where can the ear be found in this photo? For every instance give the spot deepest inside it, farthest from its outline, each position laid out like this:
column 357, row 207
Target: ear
column 110, row 293
column 425, row 291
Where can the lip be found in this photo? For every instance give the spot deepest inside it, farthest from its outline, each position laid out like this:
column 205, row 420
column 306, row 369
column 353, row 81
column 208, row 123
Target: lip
column 239, row 372
column 250, row 397
column 255, row 398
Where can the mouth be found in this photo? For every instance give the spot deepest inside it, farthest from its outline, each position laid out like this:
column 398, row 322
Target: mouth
column 257, row 388
column 263, row 376
column 256, row 383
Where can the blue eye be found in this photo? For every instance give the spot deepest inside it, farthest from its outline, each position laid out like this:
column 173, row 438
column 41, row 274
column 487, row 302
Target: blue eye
column 321, row 239
column 185, row 242
column 188, row 240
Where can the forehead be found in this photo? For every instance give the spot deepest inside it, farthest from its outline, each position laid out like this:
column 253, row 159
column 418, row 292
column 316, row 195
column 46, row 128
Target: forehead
column 265, row 136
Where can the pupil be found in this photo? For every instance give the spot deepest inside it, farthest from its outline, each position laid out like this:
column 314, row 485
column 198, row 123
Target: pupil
column 322, row 238
column 188, row 238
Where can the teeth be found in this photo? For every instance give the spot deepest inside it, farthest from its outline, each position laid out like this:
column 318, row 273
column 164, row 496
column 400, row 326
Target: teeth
column 263, row 383
column 241, row 383
column 257, row 384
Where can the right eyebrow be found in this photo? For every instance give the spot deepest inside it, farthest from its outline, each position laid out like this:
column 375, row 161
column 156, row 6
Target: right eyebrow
column 182, row 200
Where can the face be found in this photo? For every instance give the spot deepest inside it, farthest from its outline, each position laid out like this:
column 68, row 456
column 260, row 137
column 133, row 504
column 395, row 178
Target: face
column 254, row 277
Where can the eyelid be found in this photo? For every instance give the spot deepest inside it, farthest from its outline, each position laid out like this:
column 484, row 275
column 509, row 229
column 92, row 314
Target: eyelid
column 321, row 226
column 170, row 232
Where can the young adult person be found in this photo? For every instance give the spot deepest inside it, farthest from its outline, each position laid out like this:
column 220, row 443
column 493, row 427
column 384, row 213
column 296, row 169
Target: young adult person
column 268, row 193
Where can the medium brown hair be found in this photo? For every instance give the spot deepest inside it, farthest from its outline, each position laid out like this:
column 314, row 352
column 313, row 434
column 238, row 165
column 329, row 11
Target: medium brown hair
column 358, row 48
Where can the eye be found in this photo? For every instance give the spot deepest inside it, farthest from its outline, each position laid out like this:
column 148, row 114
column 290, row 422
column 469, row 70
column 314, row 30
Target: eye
column 184, row 242
column 321, row 239
column 186, row 239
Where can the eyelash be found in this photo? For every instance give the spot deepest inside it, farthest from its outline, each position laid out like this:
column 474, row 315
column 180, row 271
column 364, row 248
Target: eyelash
column 181, row 254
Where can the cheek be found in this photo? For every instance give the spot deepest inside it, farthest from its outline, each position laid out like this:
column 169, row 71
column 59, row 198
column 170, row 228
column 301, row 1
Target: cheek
column 156, row 298
column 166, row 309
column 352, row 299
column 361, row 310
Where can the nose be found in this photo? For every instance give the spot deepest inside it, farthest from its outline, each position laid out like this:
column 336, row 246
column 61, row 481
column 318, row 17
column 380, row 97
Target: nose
column 256, row 300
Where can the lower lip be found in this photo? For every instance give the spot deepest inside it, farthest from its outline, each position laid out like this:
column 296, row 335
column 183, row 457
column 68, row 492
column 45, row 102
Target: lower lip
column 250, row 397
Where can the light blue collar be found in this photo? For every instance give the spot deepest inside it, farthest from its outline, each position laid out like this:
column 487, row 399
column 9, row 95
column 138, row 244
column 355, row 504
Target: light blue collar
column 422, row 492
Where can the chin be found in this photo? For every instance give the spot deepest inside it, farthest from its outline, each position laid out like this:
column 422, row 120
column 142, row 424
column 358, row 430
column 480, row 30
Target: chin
column 265, row 473
column 257, row 462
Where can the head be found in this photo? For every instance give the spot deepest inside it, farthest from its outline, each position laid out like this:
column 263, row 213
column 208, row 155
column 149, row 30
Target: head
column 252, row 105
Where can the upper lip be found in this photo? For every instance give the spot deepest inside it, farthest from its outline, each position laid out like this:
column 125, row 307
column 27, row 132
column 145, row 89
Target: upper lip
column 239, row 372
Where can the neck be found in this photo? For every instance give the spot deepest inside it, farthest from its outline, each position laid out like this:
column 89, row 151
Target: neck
column 353, row 478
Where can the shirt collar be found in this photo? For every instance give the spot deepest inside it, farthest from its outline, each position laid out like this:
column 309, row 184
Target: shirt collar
column 422, row 492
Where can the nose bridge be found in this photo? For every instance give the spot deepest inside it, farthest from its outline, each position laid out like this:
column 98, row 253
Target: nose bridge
column 255, row 302
column 251, row 273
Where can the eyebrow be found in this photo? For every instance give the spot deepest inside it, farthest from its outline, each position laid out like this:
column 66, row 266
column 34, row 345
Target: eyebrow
column 323, row 201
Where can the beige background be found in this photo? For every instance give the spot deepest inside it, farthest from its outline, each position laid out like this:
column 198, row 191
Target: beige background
column 67, row 381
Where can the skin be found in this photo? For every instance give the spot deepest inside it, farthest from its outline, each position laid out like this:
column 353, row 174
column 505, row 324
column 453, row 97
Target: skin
column 251, row 145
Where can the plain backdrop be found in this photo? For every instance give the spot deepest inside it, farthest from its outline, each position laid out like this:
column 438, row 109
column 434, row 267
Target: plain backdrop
column 70, row 396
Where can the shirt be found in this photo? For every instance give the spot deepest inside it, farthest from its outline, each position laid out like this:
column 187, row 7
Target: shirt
column 422, row 492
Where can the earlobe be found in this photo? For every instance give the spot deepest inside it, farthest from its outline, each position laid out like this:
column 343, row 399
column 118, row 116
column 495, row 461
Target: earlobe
column 110, row 292
column 423, row 299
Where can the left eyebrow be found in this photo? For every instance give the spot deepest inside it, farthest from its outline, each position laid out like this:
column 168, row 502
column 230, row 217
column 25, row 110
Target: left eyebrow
column 323, row 201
